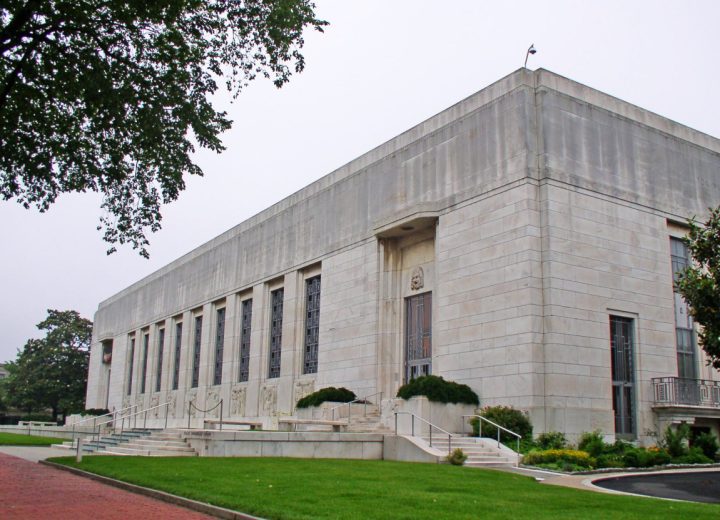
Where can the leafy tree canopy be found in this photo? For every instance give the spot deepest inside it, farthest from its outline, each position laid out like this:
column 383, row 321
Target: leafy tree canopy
column 112, row 96
column 52, row 372
column 700, row 283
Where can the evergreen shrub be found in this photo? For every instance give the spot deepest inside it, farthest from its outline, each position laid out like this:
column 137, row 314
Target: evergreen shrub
column 577, row 458
column 436, row 389
column 708, row 443
column 551, row 441
column 340, row 395
column 506, row 416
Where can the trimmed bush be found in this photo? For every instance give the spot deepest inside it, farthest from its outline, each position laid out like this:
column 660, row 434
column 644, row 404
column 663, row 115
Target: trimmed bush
column 96, row 411
column 506, row 416
column 610, row 461
column 436, row 389
column 457, row 457
column 593, row 443
column 340, row 395
column 694, row 456
column 642, row 458
column 708, row 443
column 560, row 457
column 551, row 441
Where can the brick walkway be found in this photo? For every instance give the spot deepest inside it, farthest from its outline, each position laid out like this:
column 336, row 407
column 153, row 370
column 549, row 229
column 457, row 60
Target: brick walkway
column 29, row 491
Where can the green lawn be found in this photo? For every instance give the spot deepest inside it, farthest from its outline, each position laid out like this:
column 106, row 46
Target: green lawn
column 16, row 439
column 312, row 489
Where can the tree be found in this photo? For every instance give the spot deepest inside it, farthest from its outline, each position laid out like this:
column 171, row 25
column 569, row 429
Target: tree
column 699, row 284
column 112, row 96
column 52, row 372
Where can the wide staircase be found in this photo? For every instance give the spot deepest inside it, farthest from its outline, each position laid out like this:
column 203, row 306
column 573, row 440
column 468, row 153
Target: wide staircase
column 481, row 452
column 149, row 443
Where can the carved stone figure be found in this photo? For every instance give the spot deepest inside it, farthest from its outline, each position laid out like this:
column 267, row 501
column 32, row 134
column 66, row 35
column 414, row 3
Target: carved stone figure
column 237, row 401
column 155, row 401
column 303, row 388
column 191, row 400
column 268, row 399
column 211, row 403
column 172, row 406
column 417, row 279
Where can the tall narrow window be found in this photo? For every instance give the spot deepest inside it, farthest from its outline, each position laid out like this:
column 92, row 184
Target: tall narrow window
column 623, row 374
column 196, row 352
column 158, row 368
column 219, row 346
column 146, row 348
column 418, row 336
column 312, row 324
column 276, row 319
column 684, row 333
column 176, row 367
column 131, row 366
column 246, row 329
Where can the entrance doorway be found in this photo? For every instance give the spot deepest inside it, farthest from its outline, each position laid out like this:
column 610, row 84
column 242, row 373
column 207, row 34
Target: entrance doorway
column 418, row 336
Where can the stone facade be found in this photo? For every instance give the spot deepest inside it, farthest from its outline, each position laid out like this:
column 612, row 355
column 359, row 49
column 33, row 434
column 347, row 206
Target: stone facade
column 530, row 215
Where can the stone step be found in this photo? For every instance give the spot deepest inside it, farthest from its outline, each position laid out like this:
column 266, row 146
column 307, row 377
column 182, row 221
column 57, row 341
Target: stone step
column 189, row 452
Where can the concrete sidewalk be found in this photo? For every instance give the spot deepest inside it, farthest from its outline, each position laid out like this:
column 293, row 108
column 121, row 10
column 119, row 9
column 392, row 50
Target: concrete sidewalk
column 32, row 491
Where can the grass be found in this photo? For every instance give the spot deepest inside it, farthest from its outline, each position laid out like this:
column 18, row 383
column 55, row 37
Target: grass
column 314, row 489
column 16, row 439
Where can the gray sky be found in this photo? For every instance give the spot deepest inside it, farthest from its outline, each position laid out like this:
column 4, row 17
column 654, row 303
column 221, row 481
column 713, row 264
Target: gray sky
column 380, row 68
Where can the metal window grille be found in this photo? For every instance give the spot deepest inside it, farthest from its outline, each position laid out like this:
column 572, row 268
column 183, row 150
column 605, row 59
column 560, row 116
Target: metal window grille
column 158, row 370
column 275, row 332
column 246, row 330
column 312, row 325
column 623, row 374
column 418, row 336
column 176, row 367
column 146, row 348
column 684, row 333
column 219, row 346
column 130, row 368
column 196, row 352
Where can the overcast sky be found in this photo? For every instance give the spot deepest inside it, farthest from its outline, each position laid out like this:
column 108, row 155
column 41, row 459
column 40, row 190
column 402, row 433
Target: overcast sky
column 381, row 67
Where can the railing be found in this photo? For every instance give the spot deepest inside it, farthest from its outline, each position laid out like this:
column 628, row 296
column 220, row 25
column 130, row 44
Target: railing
column 679, row 391
column 430, row 428
column 95, row 419
column 191, row 405
column 361, row 400
column 98, row 428
column 498, row 428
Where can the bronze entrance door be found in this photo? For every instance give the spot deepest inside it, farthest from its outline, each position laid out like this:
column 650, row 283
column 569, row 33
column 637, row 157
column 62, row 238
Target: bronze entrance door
column 418, row 336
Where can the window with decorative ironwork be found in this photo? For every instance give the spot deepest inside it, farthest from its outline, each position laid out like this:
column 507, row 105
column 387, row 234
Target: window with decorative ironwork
column 684, row 326
column 158, row 369
column 312, row 325
column 131, row 366
column 418, row 336
column 196, row 352
column 276, row 318
column 245, row 331
column 176, row 367
column 146, row 348
column 623, row 374
column 219, row 346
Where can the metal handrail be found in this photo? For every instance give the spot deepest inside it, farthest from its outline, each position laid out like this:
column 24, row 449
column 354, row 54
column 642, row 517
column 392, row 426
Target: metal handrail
column 95, row 418
column 430, row 428
column 193, row 405
column 518, row 437
column 357, row 399
column 96, row 430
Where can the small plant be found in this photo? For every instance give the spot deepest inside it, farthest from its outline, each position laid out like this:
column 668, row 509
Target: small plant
column 693, row 456
column 708, row 443
column 506, row 416
column 435, row 388
column 559, row 459
column 340, row 395
column 675, row 441
column 551, row 441
column 457, row 457
column 593, row 443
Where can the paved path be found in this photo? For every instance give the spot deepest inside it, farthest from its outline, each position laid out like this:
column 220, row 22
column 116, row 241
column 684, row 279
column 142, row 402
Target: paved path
column 29, row 491
column 682, row 485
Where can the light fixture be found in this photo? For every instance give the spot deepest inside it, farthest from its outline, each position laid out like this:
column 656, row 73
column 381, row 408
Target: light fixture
column 531, row 50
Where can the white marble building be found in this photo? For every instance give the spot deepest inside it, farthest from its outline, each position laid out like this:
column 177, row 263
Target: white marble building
column 520, row 242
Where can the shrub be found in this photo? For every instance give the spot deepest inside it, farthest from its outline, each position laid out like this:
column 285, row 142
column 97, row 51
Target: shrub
column 708, row 443
column 457, row 457
column 340, row 395
column 593, row 443
column 560, row 457
column 642, row 458
column 694, row 456
column 610, row 460
column 39, row 417
column 435, row 388
column 674, row 440
column 551, row 441
column 506, row 416
column 96, row 411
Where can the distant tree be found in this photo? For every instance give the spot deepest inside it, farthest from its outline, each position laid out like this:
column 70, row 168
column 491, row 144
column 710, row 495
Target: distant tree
column 112, row 96
column 52, row 372
column 699, row 284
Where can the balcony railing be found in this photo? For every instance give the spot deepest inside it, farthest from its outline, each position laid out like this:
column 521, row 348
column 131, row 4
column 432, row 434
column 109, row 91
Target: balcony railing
column 676, row 391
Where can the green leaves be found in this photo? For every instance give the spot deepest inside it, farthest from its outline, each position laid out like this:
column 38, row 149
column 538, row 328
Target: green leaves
column 112, row 96
column 700, row 283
